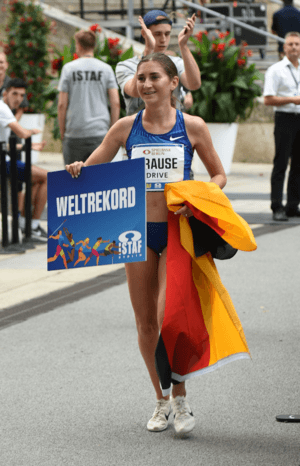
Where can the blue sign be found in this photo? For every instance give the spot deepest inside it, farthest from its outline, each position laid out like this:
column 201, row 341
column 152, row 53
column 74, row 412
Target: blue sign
column 98, row 218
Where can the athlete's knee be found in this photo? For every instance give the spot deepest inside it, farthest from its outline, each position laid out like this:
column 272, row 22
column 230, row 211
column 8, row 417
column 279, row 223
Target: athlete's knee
column 147, row 330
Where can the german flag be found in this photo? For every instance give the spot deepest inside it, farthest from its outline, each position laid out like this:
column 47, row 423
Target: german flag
column 201, row 330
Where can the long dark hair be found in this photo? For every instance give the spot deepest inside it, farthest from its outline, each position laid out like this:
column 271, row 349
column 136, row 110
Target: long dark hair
column 167, row 64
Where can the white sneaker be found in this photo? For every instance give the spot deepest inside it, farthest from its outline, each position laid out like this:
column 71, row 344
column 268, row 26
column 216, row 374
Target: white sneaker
column 184, row 420
column 160, row 418
column 39, row 232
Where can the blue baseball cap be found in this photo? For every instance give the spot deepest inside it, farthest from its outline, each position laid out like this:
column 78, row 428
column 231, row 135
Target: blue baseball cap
column 150, row 18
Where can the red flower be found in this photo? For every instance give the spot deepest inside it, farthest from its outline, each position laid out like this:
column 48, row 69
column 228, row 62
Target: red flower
column 31, row 81
column 234, row 4
column 39, row 79
column 43, row 24
column 41, row 64
column 12, row 8
column 213, row 47
column 227, row 33
column 3, row 9
column 30, row 44
column 220, row 55
column 220, row 47
column 22, row 20
column 29, row 19
column 113, row 42
column 7, row 29
column 249, row 53
column 56, row 64
column 95, row 28
column 29, row 95
column 12, row 43
column 232, row 41
column 221, row 35
column 241, row 62
column 13, row 74
column 119, row 52
column 75, row 56
column 31, row 63
column 199, row 36
column 244, row 43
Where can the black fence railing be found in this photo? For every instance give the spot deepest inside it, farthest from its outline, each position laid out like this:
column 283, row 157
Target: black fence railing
column 12, row 243
column 106, row 10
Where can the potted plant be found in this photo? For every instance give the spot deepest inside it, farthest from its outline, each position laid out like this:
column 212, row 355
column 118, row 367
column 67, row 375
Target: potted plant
column 108, row 50
column 228, row 91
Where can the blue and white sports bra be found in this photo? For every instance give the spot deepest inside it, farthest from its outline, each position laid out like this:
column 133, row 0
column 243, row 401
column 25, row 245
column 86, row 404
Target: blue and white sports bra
column 168, row 156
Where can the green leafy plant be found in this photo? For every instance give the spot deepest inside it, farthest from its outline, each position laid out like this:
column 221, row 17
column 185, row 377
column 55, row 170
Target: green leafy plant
column 107, row 50
column 228, row 89
column 26, row 50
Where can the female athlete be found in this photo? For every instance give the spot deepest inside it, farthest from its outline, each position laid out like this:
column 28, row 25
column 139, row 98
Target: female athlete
column 161, row 123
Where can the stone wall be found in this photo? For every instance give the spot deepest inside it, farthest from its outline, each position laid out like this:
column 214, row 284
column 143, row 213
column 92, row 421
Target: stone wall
column 255, row 143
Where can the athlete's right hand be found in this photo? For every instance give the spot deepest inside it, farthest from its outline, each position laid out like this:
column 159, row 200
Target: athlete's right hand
column 75, row 169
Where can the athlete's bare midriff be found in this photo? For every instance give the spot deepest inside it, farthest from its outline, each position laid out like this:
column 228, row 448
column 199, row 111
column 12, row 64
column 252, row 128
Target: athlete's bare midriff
column 157, row 210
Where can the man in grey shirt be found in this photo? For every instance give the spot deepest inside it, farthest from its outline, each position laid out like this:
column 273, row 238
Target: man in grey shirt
column 87, row 88
column 156, row 30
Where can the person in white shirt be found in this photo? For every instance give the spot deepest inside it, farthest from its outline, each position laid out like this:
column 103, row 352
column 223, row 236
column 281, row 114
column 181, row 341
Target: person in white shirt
column 282, row 90
column 12, row 98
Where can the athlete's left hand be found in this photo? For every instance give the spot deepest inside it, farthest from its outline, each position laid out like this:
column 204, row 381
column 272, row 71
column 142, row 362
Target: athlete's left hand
column 187, row 31
column 185, row 211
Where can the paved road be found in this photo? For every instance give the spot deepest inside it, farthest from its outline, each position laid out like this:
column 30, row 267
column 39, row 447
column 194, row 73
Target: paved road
column 75, row 390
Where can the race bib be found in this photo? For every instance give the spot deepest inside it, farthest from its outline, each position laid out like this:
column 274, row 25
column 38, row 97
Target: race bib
column 164, row 163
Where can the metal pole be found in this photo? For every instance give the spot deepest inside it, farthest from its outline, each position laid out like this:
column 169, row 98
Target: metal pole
column 28, row 188
column 105, row 9
column 142, row 8
column 174, row 11
column 129, row 29
column 14, row 188
column 232, row 20
column 3, row 195
column 15, row 247
column 28, row 241
column 81, row 9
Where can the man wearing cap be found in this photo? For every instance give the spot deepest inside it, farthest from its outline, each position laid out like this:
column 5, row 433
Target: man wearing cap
column 156, row 30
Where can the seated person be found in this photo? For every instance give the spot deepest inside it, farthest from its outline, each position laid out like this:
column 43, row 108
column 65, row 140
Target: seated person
column 12, row 97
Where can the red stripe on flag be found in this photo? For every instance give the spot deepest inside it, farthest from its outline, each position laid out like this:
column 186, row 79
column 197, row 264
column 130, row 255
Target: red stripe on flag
column 212, row 222
column 184, row 333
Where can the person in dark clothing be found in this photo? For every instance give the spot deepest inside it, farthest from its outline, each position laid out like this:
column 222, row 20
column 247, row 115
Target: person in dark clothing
column 285, row 20
column 282, row 91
